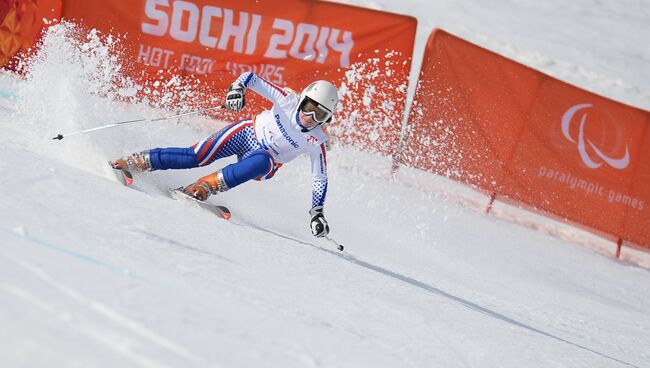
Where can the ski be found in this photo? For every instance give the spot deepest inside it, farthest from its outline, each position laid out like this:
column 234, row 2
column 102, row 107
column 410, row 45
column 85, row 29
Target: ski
column 221, row 211
column 124, row 176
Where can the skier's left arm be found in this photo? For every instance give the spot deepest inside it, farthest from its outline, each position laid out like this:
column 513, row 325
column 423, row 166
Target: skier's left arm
column 318, row 225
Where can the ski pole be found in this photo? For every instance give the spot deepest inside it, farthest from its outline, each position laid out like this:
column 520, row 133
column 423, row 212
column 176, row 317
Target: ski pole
column 61, row 136
column 338, row 245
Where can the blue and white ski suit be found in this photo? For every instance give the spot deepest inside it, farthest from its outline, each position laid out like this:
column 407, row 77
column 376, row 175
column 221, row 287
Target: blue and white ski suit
column 262, row 144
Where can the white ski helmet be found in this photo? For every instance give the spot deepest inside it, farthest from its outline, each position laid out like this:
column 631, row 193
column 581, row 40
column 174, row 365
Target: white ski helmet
column 326, row 97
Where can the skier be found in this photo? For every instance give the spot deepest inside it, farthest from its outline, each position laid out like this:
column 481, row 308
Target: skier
column 293, row 126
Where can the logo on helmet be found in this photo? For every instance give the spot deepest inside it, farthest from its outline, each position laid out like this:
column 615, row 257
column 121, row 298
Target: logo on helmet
column 592, row 154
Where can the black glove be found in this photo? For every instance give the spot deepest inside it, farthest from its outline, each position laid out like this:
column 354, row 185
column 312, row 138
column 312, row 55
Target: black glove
column 319, row 226
column 235, row 100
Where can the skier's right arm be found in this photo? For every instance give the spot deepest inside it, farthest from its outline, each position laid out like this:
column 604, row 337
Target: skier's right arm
column 235, row 98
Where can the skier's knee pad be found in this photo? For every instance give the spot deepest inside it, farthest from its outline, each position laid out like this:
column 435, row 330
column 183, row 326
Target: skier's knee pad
column 173, row 158
column 257, row 164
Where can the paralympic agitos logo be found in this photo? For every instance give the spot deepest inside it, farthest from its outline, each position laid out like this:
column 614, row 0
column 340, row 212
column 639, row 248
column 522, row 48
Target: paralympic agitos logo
column 595, row 143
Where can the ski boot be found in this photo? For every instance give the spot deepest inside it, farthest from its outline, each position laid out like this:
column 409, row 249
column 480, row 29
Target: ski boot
column 206, row 186
column 138, row 162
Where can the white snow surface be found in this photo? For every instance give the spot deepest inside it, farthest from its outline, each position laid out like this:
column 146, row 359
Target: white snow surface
column 93, row 274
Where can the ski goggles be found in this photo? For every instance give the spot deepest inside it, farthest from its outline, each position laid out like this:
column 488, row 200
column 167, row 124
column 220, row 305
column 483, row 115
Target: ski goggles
column 317, row 111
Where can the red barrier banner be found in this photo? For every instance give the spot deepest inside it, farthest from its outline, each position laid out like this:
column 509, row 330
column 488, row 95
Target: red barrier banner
column 291, row 43
column 21, row 22
column 488, row 121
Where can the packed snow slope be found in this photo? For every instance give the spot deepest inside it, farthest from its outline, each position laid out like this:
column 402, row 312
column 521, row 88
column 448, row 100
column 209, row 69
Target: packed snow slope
column 94, row 274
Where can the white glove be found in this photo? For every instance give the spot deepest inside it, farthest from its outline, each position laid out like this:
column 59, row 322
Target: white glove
column 319, row 226
column 235, row 100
